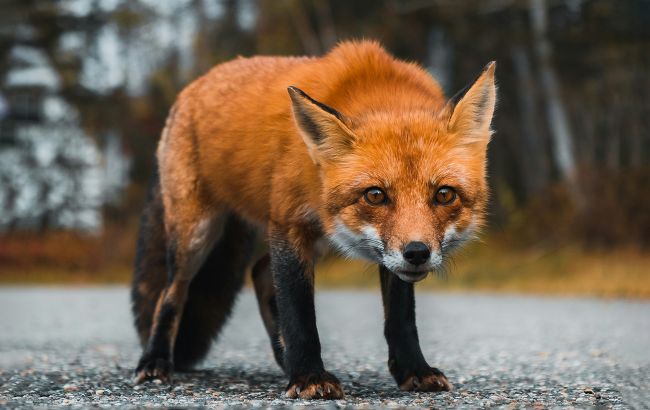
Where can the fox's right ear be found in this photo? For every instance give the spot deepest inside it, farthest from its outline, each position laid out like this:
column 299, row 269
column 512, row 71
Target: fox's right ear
column 324, row 130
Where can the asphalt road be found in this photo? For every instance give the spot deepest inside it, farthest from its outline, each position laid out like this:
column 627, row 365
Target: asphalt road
column 77, row 347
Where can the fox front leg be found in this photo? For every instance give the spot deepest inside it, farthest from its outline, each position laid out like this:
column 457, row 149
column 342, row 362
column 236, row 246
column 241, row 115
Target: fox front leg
column 405, row 360
column 294, row 281
column 266, row 299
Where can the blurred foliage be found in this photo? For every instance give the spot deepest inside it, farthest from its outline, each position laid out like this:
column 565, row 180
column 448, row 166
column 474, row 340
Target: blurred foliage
column 569, row 162
column 68, row 251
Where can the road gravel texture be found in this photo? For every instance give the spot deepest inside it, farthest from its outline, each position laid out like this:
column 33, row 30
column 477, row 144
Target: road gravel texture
column 77, row 347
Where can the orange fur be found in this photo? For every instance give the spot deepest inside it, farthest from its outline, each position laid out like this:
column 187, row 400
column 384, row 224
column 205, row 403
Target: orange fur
column 233, row 144
column 357, row 147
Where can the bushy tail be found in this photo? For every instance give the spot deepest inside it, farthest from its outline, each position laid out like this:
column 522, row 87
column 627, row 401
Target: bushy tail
column 212, row 292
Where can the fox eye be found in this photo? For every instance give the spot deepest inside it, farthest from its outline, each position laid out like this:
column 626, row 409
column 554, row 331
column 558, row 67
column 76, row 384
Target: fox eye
column 445, row 195
column 375, row 196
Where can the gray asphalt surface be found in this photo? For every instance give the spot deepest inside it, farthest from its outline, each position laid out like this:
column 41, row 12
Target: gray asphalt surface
column 77, row 347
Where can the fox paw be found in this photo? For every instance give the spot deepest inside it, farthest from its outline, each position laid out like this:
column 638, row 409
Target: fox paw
column 150, row 368
column 321, row 385
column 430, row 381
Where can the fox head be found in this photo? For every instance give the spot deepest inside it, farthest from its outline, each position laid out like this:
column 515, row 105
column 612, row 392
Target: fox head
column 402, row 189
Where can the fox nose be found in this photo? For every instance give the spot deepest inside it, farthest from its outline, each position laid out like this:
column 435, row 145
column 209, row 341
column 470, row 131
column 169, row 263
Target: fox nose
column 416, row 253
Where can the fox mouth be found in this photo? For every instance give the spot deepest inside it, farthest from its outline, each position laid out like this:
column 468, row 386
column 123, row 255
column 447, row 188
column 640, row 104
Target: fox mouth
column 411, row 276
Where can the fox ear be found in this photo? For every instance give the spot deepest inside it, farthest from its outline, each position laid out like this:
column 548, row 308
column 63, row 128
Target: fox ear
column 474, row 107
column 324, row 130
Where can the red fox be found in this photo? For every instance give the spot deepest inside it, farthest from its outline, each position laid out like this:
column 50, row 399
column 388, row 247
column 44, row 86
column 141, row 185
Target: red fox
column 356, row 149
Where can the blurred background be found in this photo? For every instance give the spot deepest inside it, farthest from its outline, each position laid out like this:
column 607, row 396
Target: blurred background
column 85, row 86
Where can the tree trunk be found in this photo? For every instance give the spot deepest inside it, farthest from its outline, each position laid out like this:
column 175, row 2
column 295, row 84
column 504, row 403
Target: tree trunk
column 534, row 166
column 307, row 36
column 327, row 27
column 440, row 58
column 559, row 127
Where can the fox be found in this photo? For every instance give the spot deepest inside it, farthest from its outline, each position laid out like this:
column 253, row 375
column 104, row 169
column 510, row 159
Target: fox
column 265, row 162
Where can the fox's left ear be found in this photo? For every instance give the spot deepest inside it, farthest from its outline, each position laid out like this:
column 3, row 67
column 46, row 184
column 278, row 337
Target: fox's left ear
column 474, row 108
column 325, row 131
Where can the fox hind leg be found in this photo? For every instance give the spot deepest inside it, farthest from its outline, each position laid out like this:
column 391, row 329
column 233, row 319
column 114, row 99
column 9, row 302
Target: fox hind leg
column 150, row 274
column 210, row 296
column 187, row 247
column 191, row 229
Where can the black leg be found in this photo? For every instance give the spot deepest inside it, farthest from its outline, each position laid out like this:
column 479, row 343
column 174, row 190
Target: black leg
column 157, row 359
column 265, row 292
column 405, row 360
column 293, row 277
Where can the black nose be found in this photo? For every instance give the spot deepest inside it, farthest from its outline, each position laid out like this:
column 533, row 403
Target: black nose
column 416, row 253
